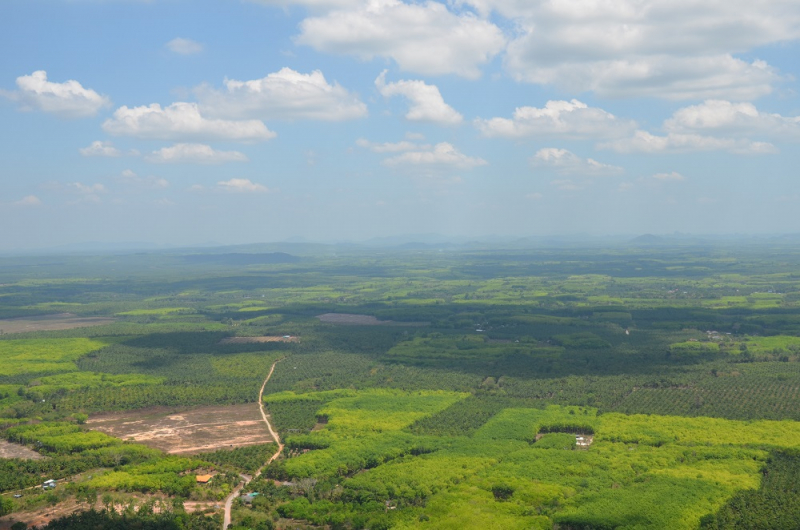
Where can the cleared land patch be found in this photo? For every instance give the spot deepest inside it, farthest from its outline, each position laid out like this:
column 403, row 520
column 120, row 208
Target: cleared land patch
column 257, row 340
column 50, row 323
column 40, row 516
column 10, row 450
column 188, row 431
column 362, row 320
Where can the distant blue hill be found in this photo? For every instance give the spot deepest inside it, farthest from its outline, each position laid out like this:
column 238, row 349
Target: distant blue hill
column 241, row 259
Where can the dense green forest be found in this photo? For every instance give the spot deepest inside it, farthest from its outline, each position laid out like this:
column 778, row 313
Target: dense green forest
column 550, row 388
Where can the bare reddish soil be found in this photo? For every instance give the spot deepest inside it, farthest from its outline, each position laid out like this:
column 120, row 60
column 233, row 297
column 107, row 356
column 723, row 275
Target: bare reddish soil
column 50, row 323
column 9, row 450
column 187, row 431
column 255, row 340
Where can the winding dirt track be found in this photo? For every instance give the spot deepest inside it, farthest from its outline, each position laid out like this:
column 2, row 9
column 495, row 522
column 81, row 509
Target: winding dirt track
column 226, row 522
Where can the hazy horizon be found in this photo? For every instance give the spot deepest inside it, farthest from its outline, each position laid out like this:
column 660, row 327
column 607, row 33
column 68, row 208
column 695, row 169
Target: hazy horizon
column 422, row 242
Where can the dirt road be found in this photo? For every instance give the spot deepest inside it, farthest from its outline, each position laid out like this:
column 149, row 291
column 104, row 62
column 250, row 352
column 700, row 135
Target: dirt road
column 226, row 522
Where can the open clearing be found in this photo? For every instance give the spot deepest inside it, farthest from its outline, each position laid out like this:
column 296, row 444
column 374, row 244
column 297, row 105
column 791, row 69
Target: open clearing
column 256, row 340
column 40, row 516
column 187, row 431
column 50, row 323
column 9, row 450
column 362, row 320
column 43, row 515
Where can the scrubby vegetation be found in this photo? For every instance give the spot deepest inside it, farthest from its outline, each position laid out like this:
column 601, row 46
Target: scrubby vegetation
column 246, row 459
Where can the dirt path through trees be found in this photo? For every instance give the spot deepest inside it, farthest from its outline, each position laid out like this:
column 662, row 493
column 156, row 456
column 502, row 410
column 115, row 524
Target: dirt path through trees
column 229, row 501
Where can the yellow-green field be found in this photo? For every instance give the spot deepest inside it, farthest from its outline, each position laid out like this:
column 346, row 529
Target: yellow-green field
column 641, row 471
column 32, row 356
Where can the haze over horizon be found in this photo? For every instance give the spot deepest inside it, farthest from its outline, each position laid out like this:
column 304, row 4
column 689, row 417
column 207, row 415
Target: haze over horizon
column 180, row 123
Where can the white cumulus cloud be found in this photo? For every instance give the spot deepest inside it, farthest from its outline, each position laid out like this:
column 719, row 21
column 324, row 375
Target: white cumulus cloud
column 725, row 117
column 676, row 49
column 183, row 46
column 312, row 4
column 568, row 119
column 442, row 154
column 241, row 186
column 181, row 121
column 714, row 125
column 426, row 103
column 425, row 37
column 194, row 154
column 285, row 94
column 567, row 162
column 673, row 49
column 68, row 99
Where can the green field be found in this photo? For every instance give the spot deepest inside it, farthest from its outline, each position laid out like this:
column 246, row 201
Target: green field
column 22, row 357
column 460, row 407
column 620, row 480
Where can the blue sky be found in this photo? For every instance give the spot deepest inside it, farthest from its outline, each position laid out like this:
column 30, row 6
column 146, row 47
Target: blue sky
column 186, row 122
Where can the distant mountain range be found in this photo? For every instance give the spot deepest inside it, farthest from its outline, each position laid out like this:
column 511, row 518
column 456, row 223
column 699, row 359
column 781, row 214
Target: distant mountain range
column 241, row 258
column 285, row 251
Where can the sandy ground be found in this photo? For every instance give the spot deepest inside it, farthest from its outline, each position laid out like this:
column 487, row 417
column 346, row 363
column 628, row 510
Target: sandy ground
column 187, row 431
column 9, row 450
column 50, row 323
column 255, row 340
column 362, row 320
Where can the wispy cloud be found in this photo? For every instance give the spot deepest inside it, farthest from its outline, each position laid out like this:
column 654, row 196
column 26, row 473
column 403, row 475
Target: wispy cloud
column 566, row 119
column 236, row 185
column 672, row 176
column 129, row 178
column 391, row 147
column 194, row 154
column 566, row 162
column 442, row 154
column 105, row 149
column 183, row 46
column 28, row 200
column 645, row 142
